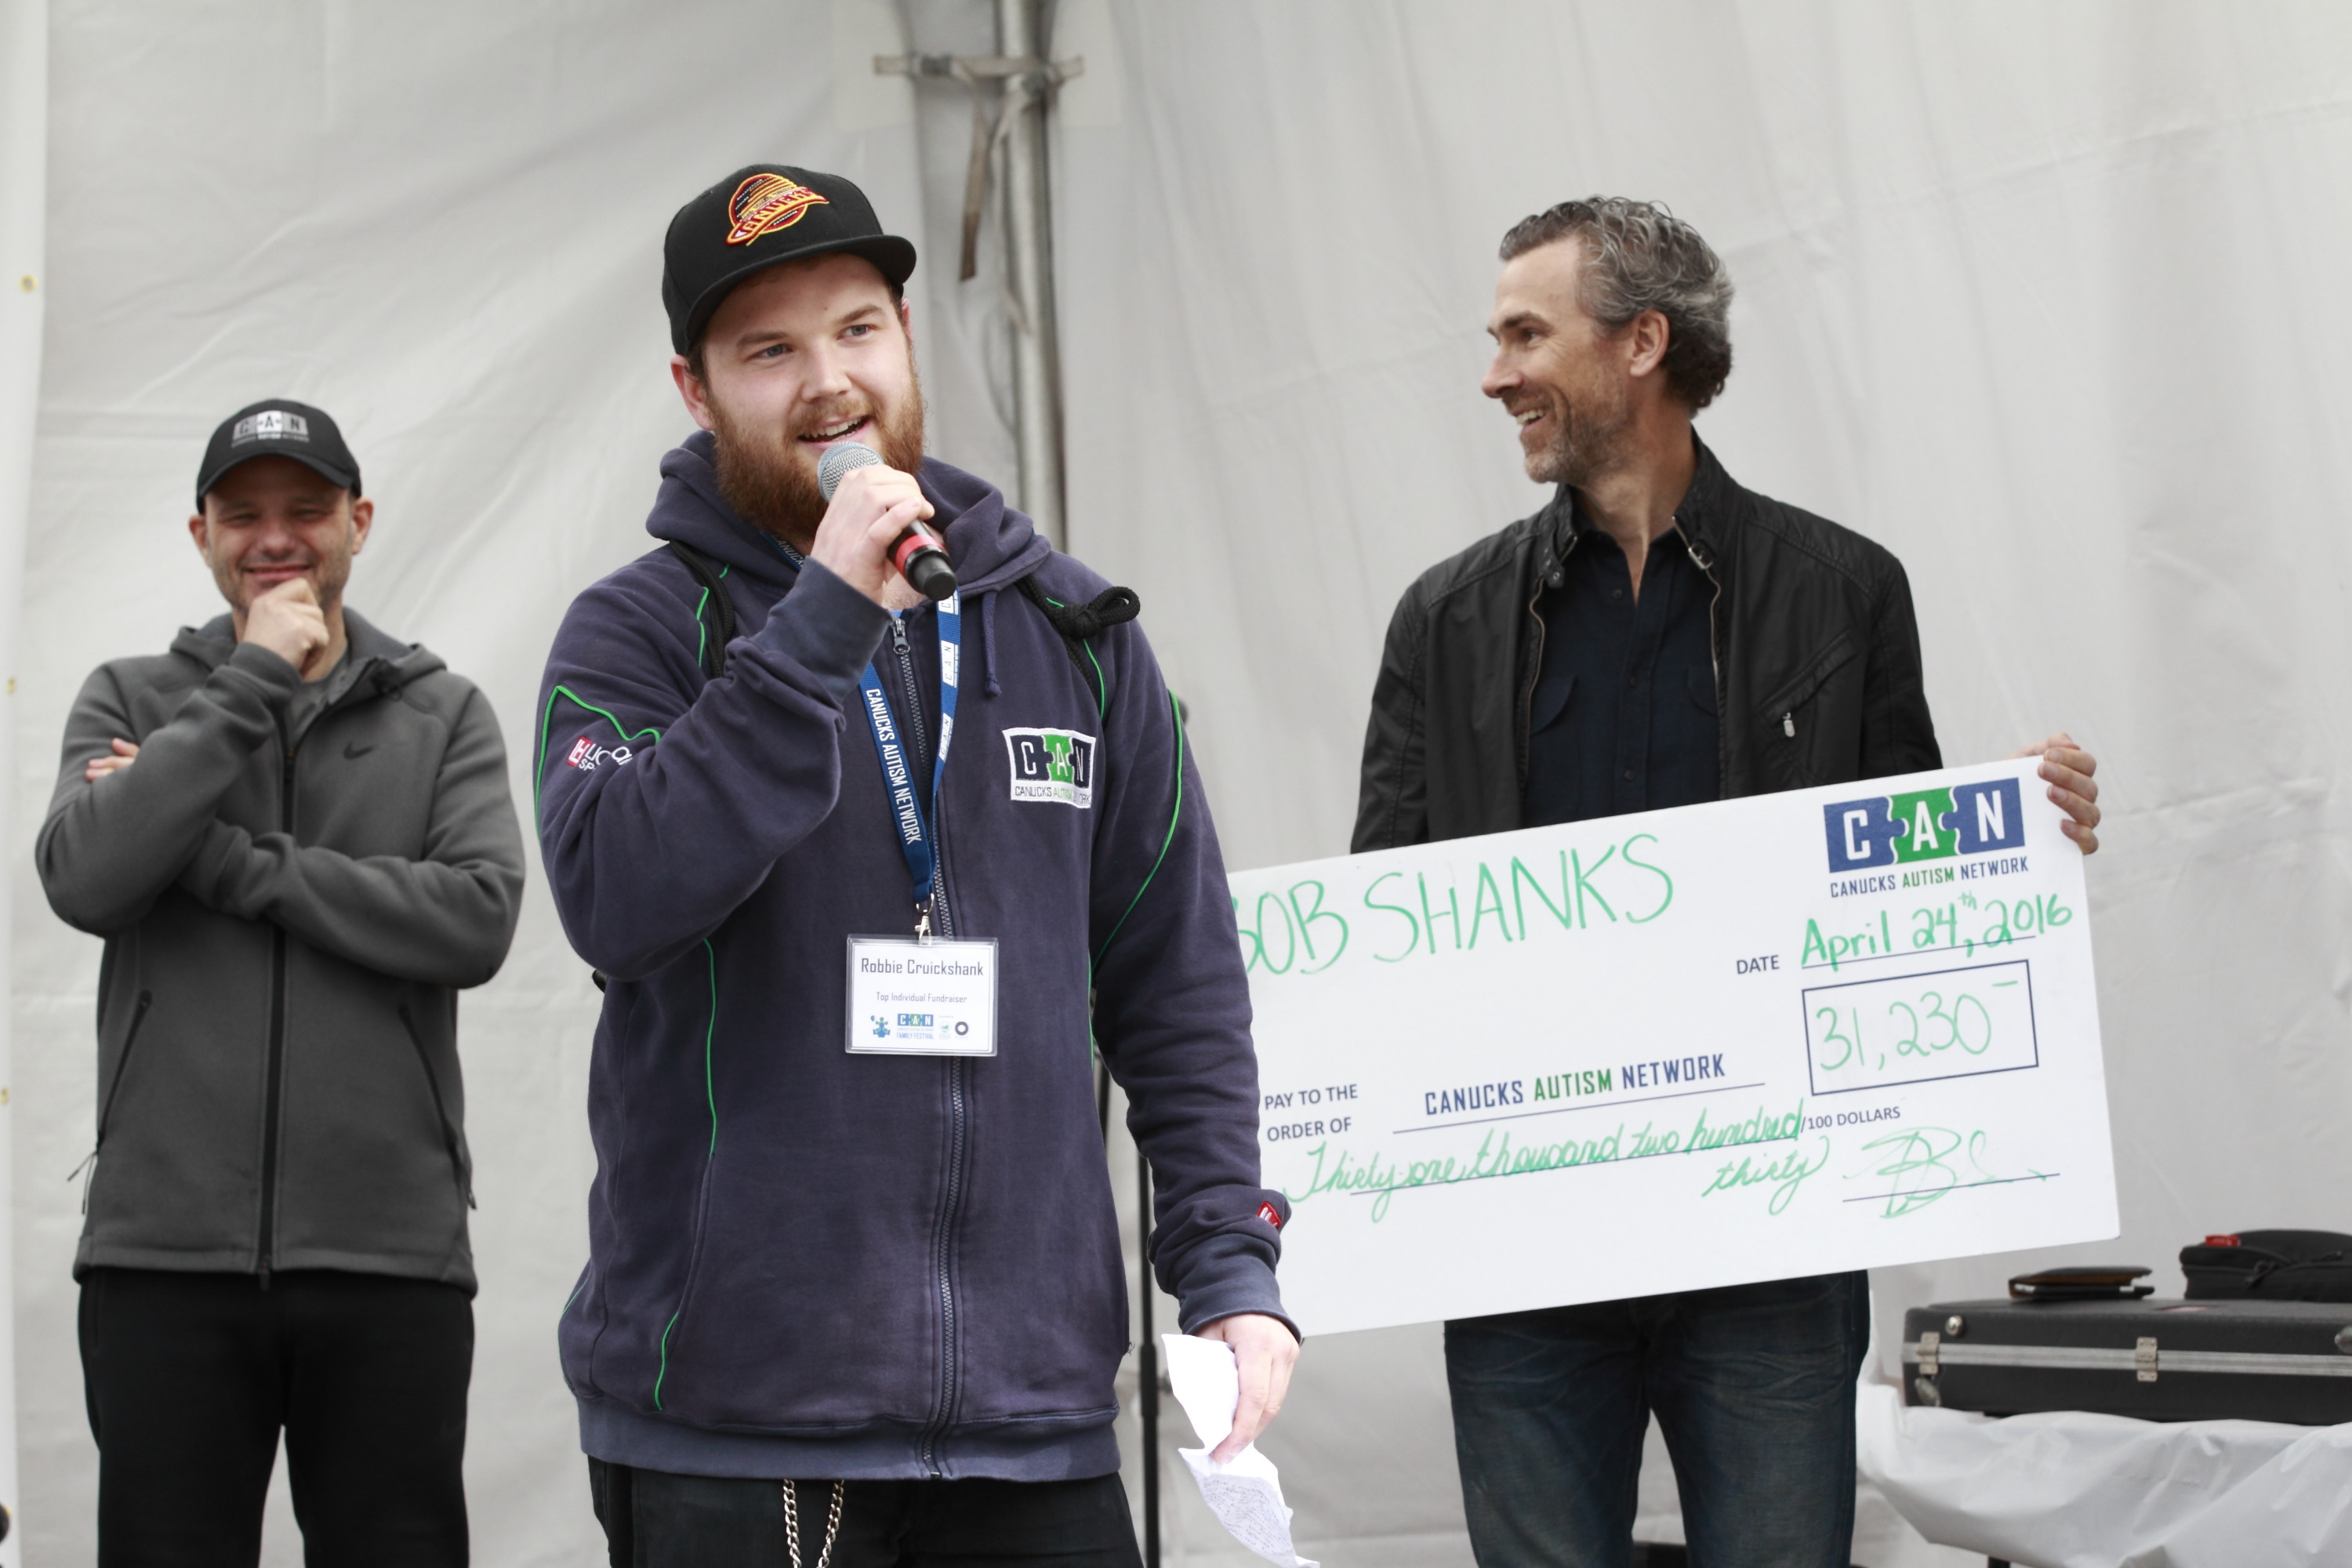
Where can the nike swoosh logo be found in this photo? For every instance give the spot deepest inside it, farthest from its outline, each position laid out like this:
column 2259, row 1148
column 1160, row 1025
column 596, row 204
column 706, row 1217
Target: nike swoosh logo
column 354, row 752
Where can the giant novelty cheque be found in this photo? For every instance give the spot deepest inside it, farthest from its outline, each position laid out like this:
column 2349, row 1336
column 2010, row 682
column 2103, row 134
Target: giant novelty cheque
column 1787, row 1035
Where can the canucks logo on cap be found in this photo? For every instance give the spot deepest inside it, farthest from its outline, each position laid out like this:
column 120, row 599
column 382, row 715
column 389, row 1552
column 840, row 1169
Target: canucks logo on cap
column 271, row 424
column 1925, row 825
column 764, row 203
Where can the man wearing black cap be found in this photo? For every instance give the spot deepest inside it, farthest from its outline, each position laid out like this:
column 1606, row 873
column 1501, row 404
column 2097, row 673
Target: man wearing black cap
column 870, row 881
column 294, row 834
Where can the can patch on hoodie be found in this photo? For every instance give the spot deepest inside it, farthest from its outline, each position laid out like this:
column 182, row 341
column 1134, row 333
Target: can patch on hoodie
column 1054, row 766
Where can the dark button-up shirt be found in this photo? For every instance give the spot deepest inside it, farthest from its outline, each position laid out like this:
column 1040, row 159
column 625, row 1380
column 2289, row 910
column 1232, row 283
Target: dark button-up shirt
column 1624, row 712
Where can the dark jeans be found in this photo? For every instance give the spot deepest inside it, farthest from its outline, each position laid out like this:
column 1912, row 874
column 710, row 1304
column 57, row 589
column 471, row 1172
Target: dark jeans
column 654, row 1519
column 1753, row 1386
column 190, row 1376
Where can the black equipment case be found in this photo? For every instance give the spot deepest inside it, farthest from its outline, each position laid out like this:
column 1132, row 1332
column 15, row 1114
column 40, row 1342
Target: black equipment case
column 2270, row 1266
column 2155, row 1358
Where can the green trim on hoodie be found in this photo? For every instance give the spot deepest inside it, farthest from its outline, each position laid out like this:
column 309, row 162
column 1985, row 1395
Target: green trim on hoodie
column 547, row 737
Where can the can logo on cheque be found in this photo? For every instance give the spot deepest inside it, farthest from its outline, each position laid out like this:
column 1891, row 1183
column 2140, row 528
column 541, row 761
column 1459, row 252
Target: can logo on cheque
column 1925, row 825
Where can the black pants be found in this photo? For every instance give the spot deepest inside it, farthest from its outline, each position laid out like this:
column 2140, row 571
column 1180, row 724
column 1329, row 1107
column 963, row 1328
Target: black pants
column 190, row 1376
column 654, row 1519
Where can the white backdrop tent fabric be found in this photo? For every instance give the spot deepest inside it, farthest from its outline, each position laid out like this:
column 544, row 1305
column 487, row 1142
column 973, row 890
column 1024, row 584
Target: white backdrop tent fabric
column 2045, row 298
column 24, row 148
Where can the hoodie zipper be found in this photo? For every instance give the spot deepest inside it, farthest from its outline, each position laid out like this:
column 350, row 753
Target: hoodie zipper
column 958, row 1100
column 266, row 1247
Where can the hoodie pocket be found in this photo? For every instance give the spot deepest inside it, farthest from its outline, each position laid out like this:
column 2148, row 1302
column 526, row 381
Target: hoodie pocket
column 686, row 1293
column 114, row 1087
column 449, row 1140
column 702, row 1196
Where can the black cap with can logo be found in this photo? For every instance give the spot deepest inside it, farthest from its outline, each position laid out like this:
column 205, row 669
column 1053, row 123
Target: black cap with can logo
column 278, row 427
column 756, row 217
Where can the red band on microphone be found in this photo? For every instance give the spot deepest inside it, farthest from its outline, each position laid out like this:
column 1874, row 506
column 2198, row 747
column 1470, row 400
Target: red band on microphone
column 905, row 550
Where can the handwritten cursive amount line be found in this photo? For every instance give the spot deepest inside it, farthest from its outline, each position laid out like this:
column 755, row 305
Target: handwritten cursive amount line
column 1585, row 1166
column 1567, row 1109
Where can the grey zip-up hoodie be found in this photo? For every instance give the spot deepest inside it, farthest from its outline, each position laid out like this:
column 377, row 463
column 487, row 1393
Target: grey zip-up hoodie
column 288, row 918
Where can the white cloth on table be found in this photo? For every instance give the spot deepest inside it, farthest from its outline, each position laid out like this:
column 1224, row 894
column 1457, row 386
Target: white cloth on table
column 2072, row 1489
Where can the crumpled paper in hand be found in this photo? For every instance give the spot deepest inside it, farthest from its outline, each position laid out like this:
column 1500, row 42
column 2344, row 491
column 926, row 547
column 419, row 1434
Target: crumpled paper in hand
column 1245, row 1495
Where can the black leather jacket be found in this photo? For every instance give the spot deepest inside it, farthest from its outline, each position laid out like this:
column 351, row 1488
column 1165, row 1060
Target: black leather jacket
column 1817, row 676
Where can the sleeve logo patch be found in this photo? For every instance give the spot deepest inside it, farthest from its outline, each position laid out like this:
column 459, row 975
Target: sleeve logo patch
column 587, row 754
column 1269, row 1214
column 1056, row 765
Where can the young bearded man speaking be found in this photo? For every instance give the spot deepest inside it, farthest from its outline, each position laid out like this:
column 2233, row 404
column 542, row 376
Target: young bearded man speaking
column 864, row 882
column 1656, row 637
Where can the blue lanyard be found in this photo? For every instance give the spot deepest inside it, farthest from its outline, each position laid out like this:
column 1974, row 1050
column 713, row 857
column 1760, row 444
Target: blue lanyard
column 913, row 815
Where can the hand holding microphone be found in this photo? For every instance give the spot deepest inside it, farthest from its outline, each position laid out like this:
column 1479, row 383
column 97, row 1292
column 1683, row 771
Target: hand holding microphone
column 915, row 554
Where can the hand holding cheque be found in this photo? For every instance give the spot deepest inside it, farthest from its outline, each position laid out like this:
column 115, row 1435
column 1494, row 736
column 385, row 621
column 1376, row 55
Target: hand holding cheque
column 1820, row 1031
column 2066, row 768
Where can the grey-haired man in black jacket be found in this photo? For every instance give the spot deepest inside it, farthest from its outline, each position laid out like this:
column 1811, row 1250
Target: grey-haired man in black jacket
column 295, row 836
column 1656, row 637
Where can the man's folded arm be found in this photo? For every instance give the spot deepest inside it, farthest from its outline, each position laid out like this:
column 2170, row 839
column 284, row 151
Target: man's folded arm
column 444, row 920
column 109, row 847
column 1172, row 1010
column 663, row 803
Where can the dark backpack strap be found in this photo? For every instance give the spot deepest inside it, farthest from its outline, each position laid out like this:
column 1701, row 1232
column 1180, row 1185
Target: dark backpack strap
column 716, row 635
column 1079, row 623
column 720, row 630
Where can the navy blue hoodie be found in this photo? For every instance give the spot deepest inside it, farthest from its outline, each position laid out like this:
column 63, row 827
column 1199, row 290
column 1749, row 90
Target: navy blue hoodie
column 804, row 1263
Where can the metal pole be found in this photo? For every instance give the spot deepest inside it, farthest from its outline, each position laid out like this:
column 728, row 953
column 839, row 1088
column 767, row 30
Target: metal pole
column 1148, row 1369
column 1029, row 266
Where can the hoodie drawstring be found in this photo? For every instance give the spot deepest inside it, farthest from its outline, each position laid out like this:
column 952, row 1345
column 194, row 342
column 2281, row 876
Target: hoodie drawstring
column 988, row 643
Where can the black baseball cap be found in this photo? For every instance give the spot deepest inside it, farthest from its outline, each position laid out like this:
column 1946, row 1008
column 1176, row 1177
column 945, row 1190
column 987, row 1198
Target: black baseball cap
column 278, row 427
column 756, row 217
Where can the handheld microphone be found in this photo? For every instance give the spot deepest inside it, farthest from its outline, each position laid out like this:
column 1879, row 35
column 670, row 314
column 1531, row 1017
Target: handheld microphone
column 920, row 561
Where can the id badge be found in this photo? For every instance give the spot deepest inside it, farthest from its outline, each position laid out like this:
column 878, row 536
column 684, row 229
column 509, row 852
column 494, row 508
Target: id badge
column 914, row 998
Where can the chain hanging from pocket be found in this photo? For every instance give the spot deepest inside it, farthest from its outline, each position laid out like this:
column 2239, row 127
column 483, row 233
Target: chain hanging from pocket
column 793, row 1525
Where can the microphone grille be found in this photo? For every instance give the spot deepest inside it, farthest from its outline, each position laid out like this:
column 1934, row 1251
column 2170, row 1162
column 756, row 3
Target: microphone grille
column 838, row 459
